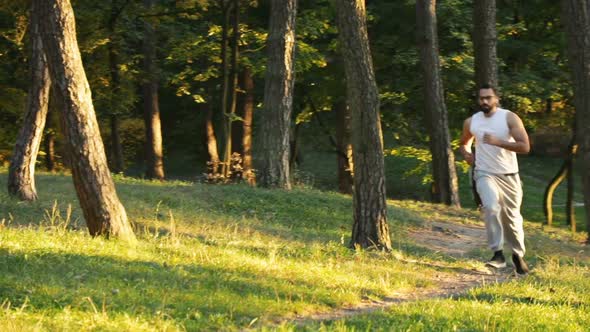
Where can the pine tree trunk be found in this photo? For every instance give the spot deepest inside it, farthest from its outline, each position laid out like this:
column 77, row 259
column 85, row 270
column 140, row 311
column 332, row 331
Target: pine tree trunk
column 225, row 76
column 21, row 174
column 370, row 209
column 576, row 15
column 278, row 96
column 446, row 187
column 117, row 164
column 153, row 127
column 343, row 147
column 104, row 213
column 247, row 115
column 484, row 42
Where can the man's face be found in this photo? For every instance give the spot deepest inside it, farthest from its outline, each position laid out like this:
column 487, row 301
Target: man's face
column 487, row 100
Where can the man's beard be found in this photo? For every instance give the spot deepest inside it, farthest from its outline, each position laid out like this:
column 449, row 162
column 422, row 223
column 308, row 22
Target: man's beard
column 486, row 110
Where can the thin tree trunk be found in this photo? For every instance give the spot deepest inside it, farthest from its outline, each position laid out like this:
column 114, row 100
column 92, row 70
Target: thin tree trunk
column 247, row 115
column 21, row 174
column 49, row 145
column 117, row 164
column 104, row 213
column 343, row 147
column 484, row 42
column 570, row 212
column 370, row 227
column 226, row 121
column 153, row 126
column 213, row 163
column 577, row 22
column 446, row 187
column 233, row 89
column 278, row 96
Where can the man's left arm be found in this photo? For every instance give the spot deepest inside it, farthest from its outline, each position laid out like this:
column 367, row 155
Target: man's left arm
column 521, row 138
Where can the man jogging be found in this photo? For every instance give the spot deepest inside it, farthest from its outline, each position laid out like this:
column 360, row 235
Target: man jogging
column 499, row 134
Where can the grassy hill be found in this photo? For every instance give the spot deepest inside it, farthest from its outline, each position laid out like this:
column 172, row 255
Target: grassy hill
column 233, row 257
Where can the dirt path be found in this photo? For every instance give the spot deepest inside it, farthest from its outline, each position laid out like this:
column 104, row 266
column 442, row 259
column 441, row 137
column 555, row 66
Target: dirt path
column 449, row 238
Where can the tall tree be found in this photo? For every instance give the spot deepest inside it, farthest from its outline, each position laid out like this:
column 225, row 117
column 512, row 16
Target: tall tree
column 117, row 163
column 576, row 14
column 226, row 6
column 151, row 104
column 278, row 96
column 21, row 174
column 233, row 88
column 104, row 213
column 370, row 209
column 445, row 186
column 484, row 42
column 247, row 114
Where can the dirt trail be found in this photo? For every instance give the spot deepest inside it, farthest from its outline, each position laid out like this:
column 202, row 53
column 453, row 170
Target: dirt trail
column 449, row 238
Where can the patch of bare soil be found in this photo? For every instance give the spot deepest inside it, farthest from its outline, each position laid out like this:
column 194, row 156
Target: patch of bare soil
column 448, row 238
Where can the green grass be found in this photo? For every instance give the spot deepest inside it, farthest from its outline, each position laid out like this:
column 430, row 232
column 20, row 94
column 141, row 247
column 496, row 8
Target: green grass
column 230, row 257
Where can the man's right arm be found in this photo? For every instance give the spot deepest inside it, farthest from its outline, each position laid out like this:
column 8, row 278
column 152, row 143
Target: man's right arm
column 466, row 140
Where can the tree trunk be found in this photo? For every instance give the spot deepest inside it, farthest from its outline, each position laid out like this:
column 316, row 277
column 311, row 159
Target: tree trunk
column 153, row 127
column 484, row 42
column 213, row 163
column 370, row 209
column 226, row 10
column 566, row 170
column 21, row 174
column 49, row 144
column 278, row 96
column 343, row 147
column 104, row 213
column 570, row 212
column 117, row 164
column 445, row 187
column 247, row 116
column 577, row 22
column 233, row 95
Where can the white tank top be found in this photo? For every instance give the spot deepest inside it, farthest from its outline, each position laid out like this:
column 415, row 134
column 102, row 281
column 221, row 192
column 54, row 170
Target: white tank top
column 490, row 158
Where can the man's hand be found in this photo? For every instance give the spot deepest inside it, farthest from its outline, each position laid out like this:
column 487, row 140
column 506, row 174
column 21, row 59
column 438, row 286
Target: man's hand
column 492, row 140
column 468, row 156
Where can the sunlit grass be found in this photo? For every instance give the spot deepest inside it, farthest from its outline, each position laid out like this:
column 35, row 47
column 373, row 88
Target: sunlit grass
column 232, row 257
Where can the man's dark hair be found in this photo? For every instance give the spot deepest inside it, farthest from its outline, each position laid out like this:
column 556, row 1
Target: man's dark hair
column 489, row 86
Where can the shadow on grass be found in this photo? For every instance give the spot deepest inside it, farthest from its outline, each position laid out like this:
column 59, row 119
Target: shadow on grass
column 51, row 281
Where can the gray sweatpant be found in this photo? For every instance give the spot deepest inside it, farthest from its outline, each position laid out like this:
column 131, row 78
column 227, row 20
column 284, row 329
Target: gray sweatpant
column 501, row 196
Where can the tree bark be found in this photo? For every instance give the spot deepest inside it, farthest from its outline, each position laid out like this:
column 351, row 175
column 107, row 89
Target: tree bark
column 225, row 86
column 247, row 116
column 278, row 96
column 445, row 186
column 21, row 173
column 153, row 126
column 370, row 228
column 104, row 213
column 343, row 147
column 117, row 163
column 563, row 172
column 484, row 42
column 576, row 15
column 213, row 162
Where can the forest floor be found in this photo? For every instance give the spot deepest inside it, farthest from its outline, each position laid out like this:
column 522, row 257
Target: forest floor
column 451, row 239
column 235, row 258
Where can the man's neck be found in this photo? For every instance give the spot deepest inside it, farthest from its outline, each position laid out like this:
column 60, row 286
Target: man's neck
column 491, row 112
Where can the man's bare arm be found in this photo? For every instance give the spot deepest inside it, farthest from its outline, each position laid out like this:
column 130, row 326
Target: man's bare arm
column 466, row 140
column 521, row 138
